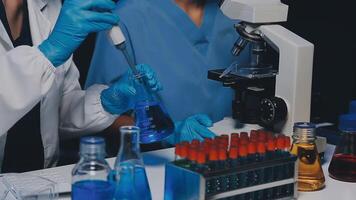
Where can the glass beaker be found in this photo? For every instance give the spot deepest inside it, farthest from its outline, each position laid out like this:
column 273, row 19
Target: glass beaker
column 89, row 176
column 343, row 163
column 151, row 116
column 310, row 173
column 129, row 172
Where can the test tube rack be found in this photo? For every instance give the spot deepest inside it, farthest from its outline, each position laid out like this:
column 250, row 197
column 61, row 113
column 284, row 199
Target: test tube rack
column 184, row 184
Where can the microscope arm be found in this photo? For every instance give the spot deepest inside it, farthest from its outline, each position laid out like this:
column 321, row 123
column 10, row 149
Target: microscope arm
column 294, row 79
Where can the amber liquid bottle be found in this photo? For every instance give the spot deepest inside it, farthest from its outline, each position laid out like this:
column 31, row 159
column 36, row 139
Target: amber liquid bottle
column 310, row 173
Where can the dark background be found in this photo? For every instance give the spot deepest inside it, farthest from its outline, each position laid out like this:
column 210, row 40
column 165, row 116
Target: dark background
column 329, row 25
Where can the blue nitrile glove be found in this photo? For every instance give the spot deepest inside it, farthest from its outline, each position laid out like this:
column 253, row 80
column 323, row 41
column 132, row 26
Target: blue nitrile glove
column 121, row 96
column 76, row 20
column 194, row 127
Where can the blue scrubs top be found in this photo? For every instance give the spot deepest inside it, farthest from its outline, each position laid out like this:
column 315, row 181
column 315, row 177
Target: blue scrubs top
column 163, row 36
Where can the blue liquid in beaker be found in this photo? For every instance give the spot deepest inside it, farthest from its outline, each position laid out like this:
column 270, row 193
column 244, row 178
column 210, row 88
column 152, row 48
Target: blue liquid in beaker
column 133, row 186
column 93, row 190
column 153, row 120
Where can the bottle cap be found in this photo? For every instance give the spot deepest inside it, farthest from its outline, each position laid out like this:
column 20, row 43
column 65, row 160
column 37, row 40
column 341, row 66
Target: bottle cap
column 271, row 145
column 261, row 148
column 352, row 107
column 92, row 145
column 251, row 148
column 195, row 142
column 244, row 135
column 243, row 151
column 235, row 135
column 347, row 122
column 233, row 152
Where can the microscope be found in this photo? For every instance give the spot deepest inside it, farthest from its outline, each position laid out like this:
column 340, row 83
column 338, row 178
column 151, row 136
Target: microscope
column 272, row 95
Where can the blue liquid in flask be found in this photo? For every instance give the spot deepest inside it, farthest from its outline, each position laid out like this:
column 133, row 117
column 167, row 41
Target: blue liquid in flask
column 93, row 190
column 133, row 186
column 153, row 120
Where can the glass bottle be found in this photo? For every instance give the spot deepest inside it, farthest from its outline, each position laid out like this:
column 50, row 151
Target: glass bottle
column 343, row 163
column 310, row 173
column 129, row 173
column 150, row 115
column 89, row 176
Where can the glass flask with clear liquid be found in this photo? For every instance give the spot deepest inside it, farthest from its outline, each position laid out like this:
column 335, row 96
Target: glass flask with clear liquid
column 129, row 173
column 343, row 164
column 310, row 173
column 89, row 176
column 151, row 116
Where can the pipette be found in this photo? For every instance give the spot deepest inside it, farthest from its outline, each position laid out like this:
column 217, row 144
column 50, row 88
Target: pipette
column 118, row 39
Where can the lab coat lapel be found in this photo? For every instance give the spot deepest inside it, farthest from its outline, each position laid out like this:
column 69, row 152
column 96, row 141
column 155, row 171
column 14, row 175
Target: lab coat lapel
column 39, row 24
column 4, row 38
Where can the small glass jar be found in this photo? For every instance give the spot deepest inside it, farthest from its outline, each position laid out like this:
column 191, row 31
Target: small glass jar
column 310, row 173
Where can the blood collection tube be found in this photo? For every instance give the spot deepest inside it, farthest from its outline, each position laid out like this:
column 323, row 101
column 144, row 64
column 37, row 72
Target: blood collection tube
column 279, row 170
column 234, row 161
column 270, row 149
column 262, row 137
column 233, row 156
column 269, row 135
column 223, row 164
column 242, row 161
column 201, row 165
column 234, row 140
column 192, row 155
column 254, row 136
column 268, row 172
column 261, row 151
column 213, row 158
column 244, row 140
column 252, row 158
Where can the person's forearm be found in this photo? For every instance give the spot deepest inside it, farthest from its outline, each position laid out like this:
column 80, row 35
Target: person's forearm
column 23, row 82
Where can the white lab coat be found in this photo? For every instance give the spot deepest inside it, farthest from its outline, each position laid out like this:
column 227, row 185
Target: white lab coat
column 27, row 77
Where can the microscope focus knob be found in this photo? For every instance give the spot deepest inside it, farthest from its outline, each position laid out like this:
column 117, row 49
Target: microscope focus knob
column 272, row 111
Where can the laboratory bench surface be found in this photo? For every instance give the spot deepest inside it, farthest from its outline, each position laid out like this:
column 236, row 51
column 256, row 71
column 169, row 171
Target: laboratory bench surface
column 155, row 168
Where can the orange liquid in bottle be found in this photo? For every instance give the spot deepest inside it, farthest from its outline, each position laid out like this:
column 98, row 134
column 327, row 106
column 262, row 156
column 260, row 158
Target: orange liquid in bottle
column 310, row 173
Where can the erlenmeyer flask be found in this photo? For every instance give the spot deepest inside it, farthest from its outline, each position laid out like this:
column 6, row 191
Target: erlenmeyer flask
column 130, row 174
column 343, row 163
column 151, row 116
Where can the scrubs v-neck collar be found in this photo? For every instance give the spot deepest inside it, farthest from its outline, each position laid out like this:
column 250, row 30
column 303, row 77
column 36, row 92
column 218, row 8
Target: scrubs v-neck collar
column 196, row 35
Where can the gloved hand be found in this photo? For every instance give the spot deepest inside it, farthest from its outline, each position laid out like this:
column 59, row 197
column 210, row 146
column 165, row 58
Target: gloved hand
column 76, row 20
column 194, row 127
column 121, row 96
